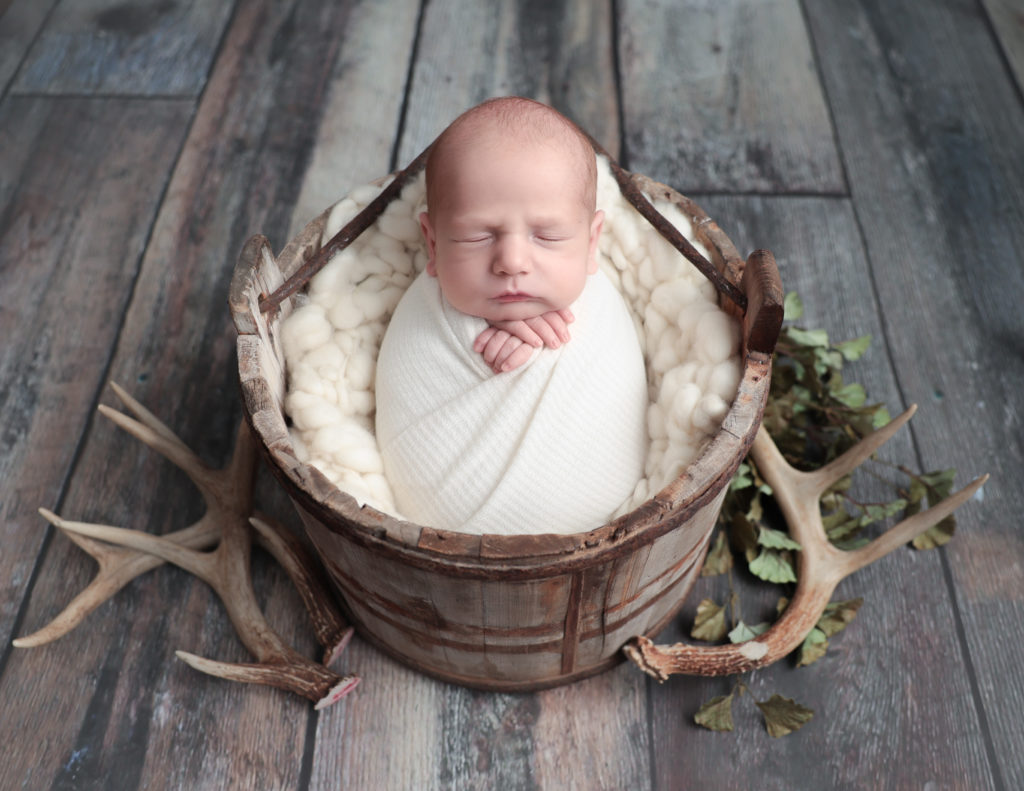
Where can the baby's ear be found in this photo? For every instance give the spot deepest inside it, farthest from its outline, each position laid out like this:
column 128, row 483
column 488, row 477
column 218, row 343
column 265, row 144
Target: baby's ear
column 431, row 240
column 595, row 234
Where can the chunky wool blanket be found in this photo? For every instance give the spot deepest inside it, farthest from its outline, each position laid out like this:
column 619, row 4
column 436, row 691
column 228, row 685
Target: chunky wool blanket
column 556, row 445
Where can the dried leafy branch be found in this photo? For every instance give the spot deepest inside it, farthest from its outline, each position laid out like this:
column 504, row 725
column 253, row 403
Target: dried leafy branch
column 813, row 415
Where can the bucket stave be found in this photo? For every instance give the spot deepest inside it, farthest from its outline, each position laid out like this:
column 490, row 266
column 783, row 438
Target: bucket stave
column 507, row 613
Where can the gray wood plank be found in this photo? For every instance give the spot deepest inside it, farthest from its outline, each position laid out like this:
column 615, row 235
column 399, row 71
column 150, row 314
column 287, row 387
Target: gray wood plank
column 871, row 711
column 120, row 710
column 560, row 53
column 930, row 128
column 19, row 23
column 76, row 213
column 148, row 47
column 1008, row 20
column 724, row 97
column 363, row 106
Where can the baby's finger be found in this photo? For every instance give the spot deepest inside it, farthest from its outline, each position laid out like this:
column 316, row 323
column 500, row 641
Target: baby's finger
column 524, row 330
column 494, row 345
column 567, row 315
column 519, row 355
column 549, row 334
column 483, row 338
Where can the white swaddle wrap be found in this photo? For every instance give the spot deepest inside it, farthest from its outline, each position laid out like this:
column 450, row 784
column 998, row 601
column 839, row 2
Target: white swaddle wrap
column 555, row 445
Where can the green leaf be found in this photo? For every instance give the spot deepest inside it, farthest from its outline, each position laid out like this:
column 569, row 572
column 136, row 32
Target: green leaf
column 742, row 632
column 851, row 395
column 719, row 559
column 709, row 623
column 936, row 536
column 782, row 716
column 742, row 479
column 837, row 615
column 854, row 349
column 880, row 417
column 793, row 307
column 716, row 714
column 939, row 485
column 807, row 337
column 776, row 539
column 772, row 567
column 813, row 648
column 878, row 511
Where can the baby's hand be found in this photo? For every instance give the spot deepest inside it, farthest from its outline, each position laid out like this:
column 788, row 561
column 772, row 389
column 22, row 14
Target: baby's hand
column 505, row 345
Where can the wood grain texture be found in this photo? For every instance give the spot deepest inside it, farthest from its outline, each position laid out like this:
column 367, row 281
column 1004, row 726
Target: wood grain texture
column 133, row 716
column 362, row 108
column 76, row 214
column 157, row 47
column 925, row 255
column 19, row 23
column 934, row 160
column 1007, row 18
column 558, row 52
column 866, row 692
column 724, row 97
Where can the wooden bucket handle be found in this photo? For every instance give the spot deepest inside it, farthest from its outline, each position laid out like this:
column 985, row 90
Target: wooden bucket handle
column 762, row 310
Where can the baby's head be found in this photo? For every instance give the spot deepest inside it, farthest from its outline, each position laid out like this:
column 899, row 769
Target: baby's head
column 511, row 226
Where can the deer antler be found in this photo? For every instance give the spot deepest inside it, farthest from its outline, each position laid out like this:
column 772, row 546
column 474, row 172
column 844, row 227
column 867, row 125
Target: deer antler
column 228, row 496
column 821, row 566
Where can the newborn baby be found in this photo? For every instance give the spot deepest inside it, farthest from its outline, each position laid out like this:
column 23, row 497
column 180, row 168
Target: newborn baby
column 492, row 417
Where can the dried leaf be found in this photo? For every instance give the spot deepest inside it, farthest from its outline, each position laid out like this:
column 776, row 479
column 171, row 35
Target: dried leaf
column 851, row 395
column 936, row 535
column 879, row 417
column 742, row 632
column 938, row 485
column 719, row 558
column 742, row 479
column 771, row 566
column 813, row 338
column 782, row 716
column 776, row 539
column 854, row 349
column 793, row 307
column 709, row 624
column 837, row 615
column 813, row 647
column 716, row 714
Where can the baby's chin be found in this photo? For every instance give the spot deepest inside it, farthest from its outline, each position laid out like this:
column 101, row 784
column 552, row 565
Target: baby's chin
column 518, row 311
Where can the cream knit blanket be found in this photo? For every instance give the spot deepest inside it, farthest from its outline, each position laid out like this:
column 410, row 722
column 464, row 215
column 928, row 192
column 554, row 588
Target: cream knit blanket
column 555, row 445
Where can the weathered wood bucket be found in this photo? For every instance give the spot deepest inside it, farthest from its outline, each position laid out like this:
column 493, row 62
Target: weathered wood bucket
column 519, row 612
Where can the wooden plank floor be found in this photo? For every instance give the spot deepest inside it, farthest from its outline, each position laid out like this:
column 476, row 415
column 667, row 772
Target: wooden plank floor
column 876, row 146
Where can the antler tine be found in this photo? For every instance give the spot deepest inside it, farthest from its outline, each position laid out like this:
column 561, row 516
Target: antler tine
column 911, row 527
column 332, row 631
column 228, row 494
column 173, row 450
column 147, row 418
column 821, row 565
column 226, row 570
column 198, row 563
column 839, row 467
column 325, row 687
column 117, row 567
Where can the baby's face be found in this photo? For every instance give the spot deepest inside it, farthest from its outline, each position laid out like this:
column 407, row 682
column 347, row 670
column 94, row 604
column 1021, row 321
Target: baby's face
column 512, row 238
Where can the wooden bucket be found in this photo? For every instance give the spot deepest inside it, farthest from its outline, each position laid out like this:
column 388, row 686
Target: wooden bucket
column 508, row 613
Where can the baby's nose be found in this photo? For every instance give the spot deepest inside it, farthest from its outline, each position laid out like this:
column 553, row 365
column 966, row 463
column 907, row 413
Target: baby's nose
column 511, row 256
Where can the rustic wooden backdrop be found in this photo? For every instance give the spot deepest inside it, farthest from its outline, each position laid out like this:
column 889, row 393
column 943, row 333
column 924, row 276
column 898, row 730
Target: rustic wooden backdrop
column 874, row 145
